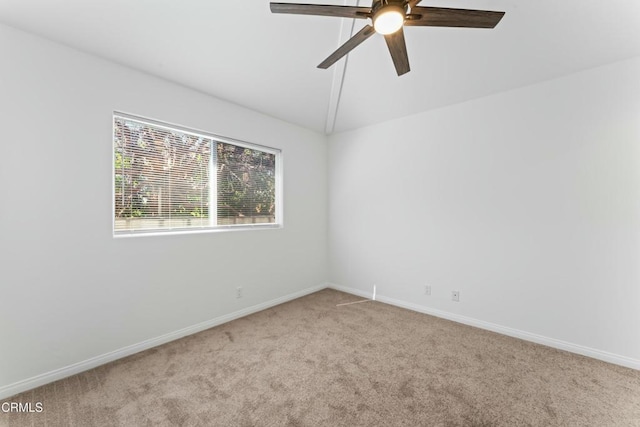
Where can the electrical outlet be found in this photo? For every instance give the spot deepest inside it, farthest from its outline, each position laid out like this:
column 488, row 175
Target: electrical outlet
column 427, row 289
column 455, row 296
column 239, row 292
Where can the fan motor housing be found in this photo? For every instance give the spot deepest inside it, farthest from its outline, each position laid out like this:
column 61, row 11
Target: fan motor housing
column 379, row 4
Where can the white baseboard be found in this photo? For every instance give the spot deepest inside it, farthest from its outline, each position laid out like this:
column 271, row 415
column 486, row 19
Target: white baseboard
column 352, row 291
column 516, row 333
column 76, row 368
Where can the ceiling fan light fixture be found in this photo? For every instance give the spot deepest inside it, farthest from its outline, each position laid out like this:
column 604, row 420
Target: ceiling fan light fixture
column 389, row 19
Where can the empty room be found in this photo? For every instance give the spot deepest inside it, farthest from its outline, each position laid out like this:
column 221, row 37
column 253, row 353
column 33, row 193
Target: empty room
column 321, row 213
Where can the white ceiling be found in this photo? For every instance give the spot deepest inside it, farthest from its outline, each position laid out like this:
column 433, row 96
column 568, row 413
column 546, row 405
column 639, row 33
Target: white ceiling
column 237, row 50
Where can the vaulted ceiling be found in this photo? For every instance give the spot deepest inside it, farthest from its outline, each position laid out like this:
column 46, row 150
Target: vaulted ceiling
column 239, row 51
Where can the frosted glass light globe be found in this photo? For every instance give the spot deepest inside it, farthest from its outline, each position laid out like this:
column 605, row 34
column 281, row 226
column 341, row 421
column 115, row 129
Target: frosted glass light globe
column 388, row 20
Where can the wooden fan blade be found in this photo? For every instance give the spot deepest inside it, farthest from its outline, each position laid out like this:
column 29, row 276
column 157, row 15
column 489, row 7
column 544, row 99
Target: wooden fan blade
column 366, row 32
column 413, row 3
column 398, row 50
column 322, row 10
column 445, row 17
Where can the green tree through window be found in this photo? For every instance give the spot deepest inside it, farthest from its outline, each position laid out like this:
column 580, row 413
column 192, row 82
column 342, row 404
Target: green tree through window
column 173, row 178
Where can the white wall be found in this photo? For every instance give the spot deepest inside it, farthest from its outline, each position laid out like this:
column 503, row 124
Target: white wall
column 69, row 291
column 527, row 202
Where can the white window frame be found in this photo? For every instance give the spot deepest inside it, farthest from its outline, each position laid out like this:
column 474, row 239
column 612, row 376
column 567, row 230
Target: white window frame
column 212, row 227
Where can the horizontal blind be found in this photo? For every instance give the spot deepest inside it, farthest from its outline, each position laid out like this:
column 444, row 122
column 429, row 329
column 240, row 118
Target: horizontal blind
column 169, row 178
column 246, row 185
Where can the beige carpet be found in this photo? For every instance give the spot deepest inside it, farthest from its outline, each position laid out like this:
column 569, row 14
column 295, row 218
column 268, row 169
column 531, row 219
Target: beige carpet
column 311, row 363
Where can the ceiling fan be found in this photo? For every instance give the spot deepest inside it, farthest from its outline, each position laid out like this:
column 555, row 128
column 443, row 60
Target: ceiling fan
column 388, row 17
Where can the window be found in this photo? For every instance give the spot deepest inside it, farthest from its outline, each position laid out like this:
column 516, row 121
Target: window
column 168, row 179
